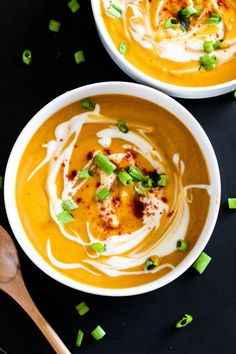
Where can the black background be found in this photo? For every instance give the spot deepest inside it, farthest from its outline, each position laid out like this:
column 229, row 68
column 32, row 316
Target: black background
column 142, row 324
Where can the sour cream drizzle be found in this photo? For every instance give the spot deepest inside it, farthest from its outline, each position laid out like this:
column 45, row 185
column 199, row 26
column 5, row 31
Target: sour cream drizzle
column 123, row 252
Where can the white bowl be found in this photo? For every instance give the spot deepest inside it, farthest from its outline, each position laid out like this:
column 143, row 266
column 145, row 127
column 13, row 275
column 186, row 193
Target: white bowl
column 99, row 89
column 139, row 76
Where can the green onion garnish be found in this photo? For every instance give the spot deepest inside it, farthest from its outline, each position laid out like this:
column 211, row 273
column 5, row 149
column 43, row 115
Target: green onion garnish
column 171, row 22
column 147, row 182
column 104, row 163
column 232, row 203
column 79, row 338
column 163, row 180
column 102, row 194
column 122, row 126
column 54, row 26
column 217, row 44
column 124, row 177
column 235, row 94
column 136, row 173
column 98, row 333
column 214, row 19
column 201, row 263
column 115, row 11
column 86, row 173
column 208, row 62
column 79, row 57
column 98, row 247
column 86, row 103
column 208, row 46
column 27, row 56
column 185, row 320
column 152, row 263
column 182, row 245
column 1, row 182
column 188, row 11
column 82, row 308
column 184, row 17
column 123, row 48
column 140, row 191
column 69, row 205
column 64, row 217
column 74, row 5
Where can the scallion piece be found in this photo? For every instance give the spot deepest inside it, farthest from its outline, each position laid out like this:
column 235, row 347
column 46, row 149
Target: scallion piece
column 102, row 194
column 64, row 217
column 98, row 247
column 69, row 205
column 232, row 203
column 188, row 11
column 214, row 19
column 85, row 174
column 235, row 94
column 163, row 181
column 147, row 182
column 201, row 263
column 124, row 177
column 104, row 163
column 152, row 263
column 82, row 308
column 122, row 126
column 54, row 26
column 123, row 48
column 79, row 57
column 98, row 333
column 136, row 173
column 79, row 339
column 86, row 103
column 208, row 46
column 185, row 320
column 27, row 56
column 171, row 22
column 182, row 245
column 114, row 11
column 74, row 5
column 1, row 182
column 208, row 62
column 140, row 191
column 217, row 44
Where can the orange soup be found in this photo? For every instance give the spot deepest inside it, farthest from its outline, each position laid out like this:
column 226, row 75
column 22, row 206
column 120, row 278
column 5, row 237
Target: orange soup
column 113, row 191
column 187, row 43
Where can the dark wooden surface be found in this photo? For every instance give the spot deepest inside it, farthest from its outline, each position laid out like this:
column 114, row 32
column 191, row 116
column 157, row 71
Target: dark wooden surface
column 141, row 324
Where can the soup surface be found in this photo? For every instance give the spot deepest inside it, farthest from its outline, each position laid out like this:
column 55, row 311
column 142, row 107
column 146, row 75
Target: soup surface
column 187, row 43
column 107, row 187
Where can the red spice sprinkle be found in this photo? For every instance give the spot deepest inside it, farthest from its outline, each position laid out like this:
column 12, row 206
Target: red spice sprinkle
column 75, row 146
column 170, row 213
column 55, row 158
column 61, row 139
column 108, row 151
column 116, row 201
column 98, row 184
column 164, row 199
column 79, row 200
column 90, row 155
column 138, row 208
column 71, row 175
column 63, row 164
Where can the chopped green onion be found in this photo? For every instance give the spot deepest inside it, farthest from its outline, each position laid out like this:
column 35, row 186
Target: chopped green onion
column 98, row 333
column 124, row 177
column 140, row 190
column 122, row 126
column 235, row 94
column 170, row 22
column 79, row 338
column 136, row 173
column 123, row 48
column 152, row 263
column 79, row 57
column 86, row 103
column 85, row 174
column 208, row 62
column 184, row 21
column 64, row 217
column 54, row 26
column 214, row 19
column 208, row 46
column 1, row 182
column 27, row 56
column 217, row 44
column 163, row 180
column 115, row 11
column 201, row 263
column 198, row 11
column 147, row 182
column 74, row 5
column 69, row 205
column 82, row 308
column 102, row 194
column 98, row 247
column 185, row 320
column 232, row 203
column 104, row 163
column 188, row 11
column 182, row 245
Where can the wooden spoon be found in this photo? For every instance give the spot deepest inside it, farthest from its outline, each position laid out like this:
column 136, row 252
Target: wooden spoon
column 12, row 283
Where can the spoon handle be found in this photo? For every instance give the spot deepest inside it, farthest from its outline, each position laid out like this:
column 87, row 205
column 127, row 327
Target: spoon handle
column 20, row 294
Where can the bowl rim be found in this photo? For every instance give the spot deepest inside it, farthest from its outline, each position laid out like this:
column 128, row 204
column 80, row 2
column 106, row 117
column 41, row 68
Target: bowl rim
column 63, row 100
column 127, row 67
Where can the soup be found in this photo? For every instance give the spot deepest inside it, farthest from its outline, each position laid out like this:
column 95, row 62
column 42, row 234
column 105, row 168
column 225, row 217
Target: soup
column 186, row 43
column 113, row 191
